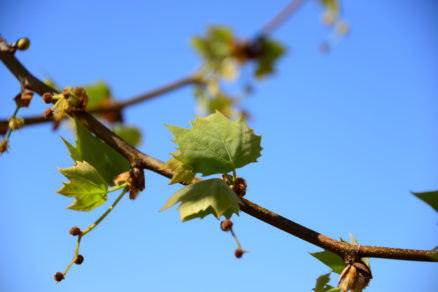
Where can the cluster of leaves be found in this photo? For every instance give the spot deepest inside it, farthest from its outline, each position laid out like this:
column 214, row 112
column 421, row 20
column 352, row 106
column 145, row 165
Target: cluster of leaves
column 336, row 264
column 223, row 55
column 95, row 166
column 214, row 145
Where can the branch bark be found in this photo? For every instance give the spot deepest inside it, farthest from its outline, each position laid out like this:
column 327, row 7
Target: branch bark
column 140, row 159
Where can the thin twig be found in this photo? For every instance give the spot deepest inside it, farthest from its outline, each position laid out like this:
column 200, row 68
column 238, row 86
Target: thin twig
column 143, row 160
column 171, row 86
column 282, row 16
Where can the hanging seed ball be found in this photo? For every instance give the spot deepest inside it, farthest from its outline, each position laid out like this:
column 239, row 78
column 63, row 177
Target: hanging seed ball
column 75, row 231
column 238, row 253
column 59, row 277
column 79, row 260
column 226, row 225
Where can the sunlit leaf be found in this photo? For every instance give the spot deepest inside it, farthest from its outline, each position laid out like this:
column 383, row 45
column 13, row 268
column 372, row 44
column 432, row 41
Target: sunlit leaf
column 206, row 197
column 182, row 172
column 107, row 161
column 271, row 51
column 216, row 144
column 335, row 262
column 86, row 186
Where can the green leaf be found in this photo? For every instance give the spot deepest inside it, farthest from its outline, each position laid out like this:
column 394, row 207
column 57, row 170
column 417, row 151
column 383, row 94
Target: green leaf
column 107, row 161
column 86, row 186
column 321, row 284
column 335, row 262
column 98, row 93
column 206, row 197
column 216, row 45
column 182, row 172
column 430, row 198
column 130, row 134
column 271, row 52
column 216, row 144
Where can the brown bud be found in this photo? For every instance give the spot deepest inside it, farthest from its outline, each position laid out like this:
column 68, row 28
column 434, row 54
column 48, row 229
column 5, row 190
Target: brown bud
column 238, row 253
column 48, row 113
column 4, row 145
column 239, row 187
column 355, row 277
column 226, row 225
column 59, row 277
column 136, row 182
column 47, row 97
column 75, row 231
column 79, row 260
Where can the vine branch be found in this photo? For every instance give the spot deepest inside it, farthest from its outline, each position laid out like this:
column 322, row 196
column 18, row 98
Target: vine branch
column 145, row 161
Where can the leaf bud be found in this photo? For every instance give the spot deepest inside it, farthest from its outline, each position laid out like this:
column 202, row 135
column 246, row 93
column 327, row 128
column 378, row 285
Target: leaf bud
column 226, row 225
column 75, row 231
column 79, row 260
column 136, row 182
column 23, row 44
column 239, row 187
column 59, row 277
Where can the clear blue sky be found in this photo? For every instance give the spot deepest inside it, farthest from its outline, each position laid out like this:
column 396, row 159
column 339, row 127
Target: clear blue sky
column 346, row 137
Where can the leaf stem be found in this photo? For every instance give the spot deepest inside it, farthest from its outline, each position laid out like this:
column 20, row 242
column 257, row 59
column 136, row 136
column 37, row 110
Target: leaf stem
column 116, row 188
column 94, row 225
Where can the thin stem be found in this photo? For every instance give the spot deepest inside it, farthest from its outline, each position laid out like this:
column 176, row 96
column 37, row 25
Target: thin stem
column 282, row 16
column 239, row 246
column 116, row 188
column 92, row 226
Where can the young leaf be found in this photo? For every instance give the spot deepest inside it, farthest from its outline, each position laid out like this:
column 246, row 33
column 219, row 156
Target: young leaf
column 86, row 186
column 271, row 51
column 216, row 144
column 182, row 172
column 97, row 93
column 211, row 196
column 430, row 198
column 102, row 157
column 321, row 284
column 335, row 262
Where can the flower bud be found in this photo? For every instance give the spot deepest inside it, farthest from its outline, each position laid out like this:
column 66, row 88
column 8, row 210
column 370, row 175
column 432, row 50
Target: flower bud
column 48, row 113
column 47, row 97
column 238, row 253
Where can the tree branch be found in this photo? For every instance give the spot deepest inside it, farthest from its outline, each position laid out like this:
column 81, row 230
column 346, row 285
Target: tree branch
column 282, row 16
column 171, row 86
column 140, row 159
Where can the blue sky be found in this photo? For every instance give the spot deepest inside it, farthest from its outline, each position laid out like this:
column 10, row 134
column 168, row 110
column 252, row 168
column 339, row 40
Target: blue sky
column 346, row 137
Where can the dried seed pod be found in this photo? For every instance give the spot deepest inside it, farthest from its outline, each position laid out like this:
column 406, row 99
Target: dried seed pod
column 239, row 187
column 48, row 113
column 47, row 97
